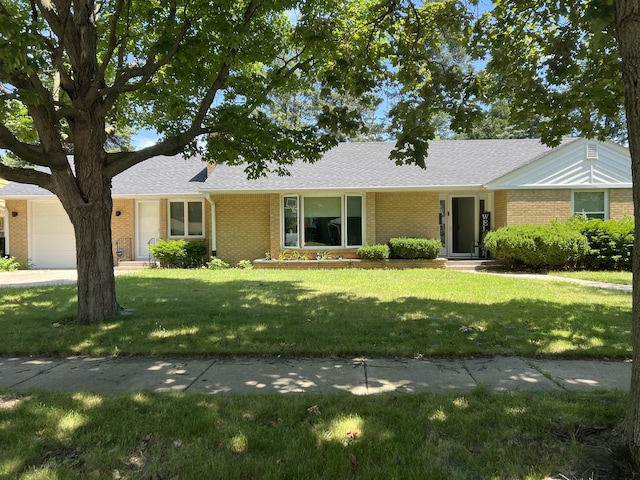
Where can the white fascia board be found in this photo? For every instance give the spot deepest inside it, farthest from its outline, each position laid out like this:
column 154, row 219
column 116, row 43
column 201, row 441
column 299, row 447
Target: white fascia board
column 428, row 188
column 43, row 196
column 153, row 196
column 577, row 186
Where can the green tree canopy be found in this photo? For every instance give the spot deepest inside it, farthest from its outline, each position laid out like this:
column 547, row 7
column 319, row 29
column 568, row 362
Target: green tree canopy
column 555, row 62
column 575, row 65
column 206, row 75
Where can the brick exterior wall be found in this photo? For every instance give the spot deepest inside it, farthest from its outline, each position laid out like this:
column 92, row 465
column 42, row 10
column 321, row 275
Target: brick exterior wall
column 123, row 227
column 409, row 214
column 499, row 209
column 18, row 242
column 515, row 207
column 620, row 203
column 370, row 219
column 536, row 206
column 274, row 226
column 243, row 226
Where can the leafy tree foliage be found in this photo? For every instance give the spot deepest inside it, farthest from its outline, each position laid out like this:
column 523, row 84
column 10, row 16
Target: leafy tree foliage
column 495, row 123
column 300, row 111
column 205, row 75
column 576, row 65
column 555, row 61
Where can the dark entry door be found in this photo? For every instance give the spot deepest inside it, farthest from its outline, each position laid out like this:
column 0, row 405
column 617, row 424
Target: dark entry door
column 463, row 225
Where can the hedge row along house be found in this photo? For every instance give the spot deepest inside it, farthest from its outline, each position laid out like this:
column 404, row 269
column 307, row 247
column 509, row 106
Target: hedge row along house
column 353, row 196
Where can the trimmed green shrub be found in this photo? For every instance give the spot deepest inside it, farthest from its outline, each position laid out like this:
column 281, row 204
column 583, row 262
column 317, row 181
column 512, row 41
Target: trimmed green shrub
column 179, row 253
column 217, row 264
column 538, row 247
column 373, row 252
column 170, row 253
column 194, row 254
column 610, row 242
column 9, row 264
column 245, row 264
column 414, row 248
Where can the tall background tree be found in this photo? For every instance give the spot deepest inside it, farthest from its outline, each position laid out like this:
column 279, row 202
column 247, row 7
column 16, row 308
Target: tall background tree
column 204, row 75
column 575, row 65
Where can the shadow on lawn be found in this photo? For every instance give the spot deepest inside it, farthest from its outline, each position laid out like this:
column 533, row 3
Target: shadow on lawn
column 262, row 317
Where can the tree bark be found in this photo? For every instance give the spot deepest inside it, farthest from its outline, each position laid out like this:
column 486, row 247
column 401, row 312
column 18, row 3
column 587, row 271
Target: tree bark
column 91, row 219
column 627, row 22
column 86, row 196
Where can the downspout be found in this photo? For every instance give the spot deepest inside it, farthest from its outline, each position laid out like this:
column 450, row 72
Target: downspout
column 214, row 247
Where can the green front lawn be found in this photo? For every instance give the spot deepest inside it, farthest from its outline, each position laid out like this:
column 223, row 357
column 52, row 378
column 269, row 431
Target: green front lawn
column 416, row 436
column 375, row 313
column 50, row 435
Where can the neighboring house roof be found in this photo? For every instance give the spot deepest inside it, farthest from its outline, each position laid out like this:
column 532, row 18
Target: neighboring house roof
column 366, row 166
column 157, row 176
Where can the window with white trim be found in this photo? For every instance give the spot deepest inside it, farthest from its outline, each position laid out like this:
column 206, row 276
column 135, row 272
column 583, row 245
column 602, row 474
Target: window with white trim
column 591, row 203
column 186, row 218
column 322, row 221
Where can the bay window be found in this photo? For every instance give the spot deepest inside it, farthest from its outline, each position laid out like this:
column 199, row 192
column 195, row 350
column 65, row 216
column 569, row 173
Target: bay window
column 323, row 221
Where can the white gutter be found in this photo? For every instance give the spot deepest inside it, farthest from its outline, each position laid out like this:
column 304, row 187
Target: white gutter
column 214, row 246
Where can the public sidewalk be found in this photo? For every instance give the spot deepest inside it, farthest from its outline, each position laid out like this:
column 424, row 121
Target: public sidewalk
column 279, row 375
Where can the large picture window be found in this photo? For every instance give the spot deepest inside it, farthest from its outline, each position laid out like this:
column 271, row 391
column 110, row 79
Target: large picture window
column 323, row 221
column 186, row 218
column 590, row 203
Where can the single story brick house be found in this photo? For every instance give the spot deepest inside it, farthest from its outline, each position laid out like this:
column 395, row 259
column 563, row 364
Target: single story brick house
column 353, row 196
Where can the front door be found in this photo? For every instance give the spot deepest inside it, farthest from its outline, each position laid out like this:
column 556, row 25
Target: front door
column 463, row 234
column 458, row 226
column 148, row 227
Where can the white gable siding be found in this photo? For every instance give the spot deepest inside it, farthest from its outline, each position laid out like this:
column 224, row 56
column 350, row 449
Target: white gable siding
column 568, row 167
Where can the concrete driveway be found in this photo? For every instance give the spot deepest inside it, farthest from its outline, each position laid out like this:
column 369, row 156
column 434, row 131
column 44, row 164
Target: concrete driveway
column 34, row 278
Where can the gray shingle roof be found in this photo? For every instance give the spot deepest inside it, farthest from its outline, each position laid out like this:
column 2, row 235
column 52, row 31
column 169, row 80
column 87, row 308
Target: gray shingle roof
column 451, row 163
column 157, row 176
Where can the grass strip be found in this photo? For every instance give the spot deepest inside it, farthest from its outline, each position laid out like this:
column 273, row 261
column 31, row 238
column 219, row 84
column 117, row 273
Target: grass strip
column 147, row 435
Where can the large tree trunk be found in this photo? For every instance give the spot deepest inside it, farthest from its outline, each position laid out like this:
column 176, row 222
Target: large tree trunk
column 96, row 281
column 86, row 196
column 627, row 20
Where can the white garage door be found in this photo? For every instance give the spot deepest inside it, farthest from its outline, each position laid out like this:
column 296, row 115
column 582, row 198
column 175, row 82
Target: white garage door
column 52, row 242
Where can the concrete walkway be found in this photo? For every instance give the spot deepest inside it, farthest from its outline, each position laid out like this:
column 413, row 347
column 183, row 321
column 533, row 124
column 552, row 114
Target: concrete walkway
column 37, row 278
column 263, row 376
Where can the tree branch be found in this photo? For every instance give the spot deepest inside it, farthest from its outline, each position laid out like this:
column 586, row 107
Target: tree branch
column 25, row 175
column 122, row 85
column 113, row 40
column 9, row 141
column 43, row 113
column 120, row 161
